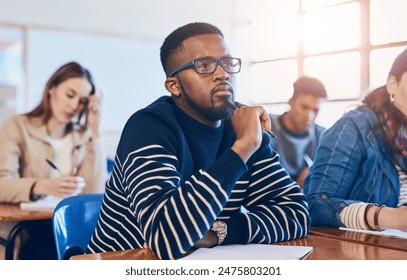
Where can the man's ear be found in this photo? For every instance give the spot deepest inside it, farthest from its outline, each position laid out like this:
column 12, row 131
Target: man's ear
column 172, row 85
column 391, row 85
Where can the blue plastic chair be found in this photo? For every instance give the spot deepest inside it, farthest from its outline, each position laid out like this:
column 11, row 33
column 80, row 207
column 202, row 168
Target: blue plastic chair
column 74, row 222
column 110, row 165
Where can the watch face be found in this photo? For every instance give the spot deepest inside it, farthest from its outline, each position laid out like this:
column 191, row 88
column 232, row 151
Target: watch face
column 219, row 226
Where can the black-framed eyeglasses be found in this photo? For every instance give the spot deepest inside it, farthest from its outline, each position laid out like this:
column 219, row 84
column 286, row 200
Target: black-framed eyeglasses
column 231, row 65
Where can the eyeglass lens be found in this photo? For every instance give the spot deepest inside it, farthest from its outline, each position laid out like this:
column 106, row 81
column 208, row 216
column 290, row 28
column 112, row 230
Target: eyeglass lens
column 207, row 66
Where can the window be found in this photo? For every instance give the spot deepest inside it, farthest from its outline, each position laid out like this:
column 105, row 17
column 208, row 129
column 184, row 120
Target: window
column 380, row 61
column 388, row 21
column 340, row 73
column 326, row 30
column 348, row 45
column 12, row 66
column 282, row 72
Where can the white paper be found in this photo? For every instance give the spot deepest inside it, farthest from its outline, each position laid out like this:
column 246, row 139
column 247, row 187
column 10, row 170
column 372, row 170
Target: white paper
column 47, row 203
column 386, row 232
column 250, row 252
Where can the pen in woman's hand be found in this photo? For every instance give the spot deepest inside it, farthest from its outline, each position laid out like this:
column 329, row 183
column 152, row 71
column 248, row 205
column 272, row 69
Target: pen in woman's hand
column 236, row 105
column 54, row 166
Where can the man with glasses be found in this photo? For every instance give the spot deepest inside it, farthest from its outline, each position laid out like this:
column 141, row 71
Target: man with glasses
column 191, row 172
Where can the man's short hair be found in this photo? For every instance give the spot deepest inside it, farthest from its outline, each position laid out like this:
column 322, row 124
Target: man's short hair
column 173, row 43
column 310, row 85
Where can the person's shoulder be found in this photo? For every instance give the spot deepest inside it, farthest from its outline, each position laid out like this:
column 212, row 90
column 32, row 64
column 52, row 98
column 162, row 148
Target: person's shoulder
column 319, row 128
column 16, row 120
column 161, row 108
column 361, row 117
column 154, row 124
column 275, row 121
column 274, row 117
column 15, row 125
column 158, row 115
column 361, row 113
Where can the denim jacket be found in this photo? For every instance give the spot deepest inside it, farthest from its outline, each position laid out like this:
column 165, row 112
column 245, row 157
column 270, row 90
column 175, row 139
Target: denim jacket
column 353, row 163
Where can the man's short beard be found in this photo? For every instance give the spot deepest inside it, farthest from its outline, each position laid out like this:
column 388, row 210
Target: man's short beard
column 211, row 113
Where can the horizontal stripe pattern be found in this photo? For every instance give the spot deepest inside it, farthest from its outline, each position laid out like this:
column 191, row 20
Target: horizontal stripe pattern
column 403, row 187
column 143, row 200
column 173, row 177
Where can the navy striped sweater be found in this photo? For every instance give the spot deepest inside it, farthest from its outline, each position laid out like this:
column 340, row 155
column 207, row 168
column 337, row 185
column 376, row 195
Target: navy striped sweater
column 173, row 177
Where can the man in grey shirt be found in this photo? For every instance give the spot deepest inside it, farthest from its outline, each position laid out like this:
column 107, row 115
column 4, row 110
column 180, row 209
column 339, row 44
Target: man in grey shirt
column 297, row 134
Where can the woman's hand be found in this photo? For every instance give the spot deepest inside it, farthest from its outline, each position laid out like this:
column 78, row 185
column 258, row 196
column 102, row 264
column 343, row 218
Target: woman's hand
column 388, row 217
column 94, row 113
column 63, row 186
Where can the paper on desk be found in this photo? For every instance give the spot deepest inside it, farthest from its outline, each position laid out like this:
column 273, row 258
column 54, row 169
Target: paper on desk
column 250, row 252
column 386, row 232
column 47, row 203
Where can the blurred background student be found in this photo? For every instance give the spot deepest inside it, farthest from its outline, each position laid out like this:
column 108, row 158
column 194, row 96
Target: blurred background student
column 359, row 177
column 297, row 133
column 63, row 128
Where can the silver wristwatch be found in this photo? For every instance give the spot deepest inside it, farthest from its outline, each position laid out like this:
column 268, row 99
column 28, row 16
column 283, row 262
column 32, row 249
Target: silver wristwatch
column 221, row 230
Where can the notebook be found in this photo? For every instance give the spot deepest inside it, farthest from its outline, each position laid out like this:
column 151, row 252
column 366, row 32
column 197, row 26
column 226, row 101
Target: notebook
column 387, row 232
column 250, row 252
column 47, row 203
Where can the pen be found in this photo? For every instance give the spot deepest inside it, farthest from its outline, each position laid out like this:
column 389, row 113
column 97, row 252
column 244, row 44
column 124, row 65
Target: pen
column 233, row 106
column 308, row 160
column 54, row 166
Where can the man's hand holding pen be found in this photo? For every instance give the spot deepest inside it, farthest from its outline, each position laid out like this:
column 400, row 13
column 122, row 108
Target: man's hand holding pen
column 236, row 105
column 249, row 123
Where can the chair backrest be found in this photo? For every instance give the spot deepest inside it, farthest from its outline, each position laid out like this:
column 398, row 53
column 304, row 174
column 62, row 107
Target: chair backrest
column 110, row 165
column 74, row 222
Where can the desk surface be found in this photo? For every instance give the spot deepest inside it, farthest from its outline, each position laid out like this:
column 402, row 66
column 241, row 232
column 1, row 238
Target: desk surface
column 325, row 248
column 12, row 213
column 363, row 238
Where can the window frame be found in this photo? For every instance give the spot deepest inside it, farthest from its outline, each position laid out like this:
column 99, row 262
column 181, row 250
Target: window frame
column 364, row 50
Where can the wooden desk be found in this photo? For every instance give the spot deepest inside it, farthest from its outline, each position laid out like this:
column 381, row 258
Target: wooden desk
column 325, row 248
column 360, row 237
column 13, row 213
column 134, row 254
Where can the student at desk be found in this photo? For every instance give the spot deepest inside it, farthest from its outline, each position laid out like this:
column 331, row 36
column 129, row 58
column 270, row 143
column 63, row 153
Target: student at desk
column 63, row 128
column 359, row 176
column 186, row 165
column 297, row 133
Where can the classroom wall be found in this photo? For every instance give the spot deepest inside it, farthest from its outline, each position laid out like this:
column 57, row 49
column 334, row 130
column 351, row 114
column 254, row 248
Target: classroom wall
column 118, row 41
